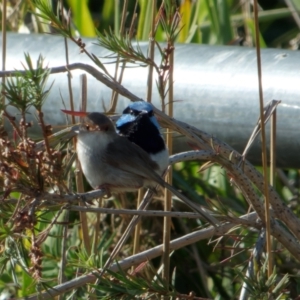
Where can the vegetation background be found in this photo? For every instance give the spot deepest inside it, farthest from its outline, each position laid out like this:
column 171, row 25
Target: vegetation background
column 213, row 269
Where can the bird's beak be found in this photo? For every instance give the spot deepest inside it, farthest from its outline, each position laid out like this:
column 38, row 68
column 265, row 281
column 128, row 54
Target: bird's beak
column 81, row 114
column 75, row 113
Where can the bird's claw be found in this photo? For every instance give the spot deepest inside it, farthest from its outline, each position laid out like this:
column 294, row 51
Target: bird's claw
column 106, row 188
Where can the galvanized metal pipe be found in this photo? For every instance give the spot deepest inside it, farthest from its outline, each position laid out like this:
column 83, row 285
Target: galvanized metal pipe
column 215, row 88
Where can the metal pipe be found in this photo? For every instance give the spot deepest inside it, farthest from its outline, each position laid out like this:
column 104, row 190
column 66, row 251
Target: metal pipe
column 215, row 88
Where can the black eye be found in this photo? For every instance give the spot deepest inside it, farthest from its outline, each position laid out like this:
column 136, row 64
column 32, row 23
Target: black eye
column 134, row 112
column 151, row 113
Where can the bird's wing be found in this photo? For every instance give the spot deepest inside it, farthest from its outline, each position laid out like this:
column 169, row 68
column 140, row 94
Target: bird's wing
column 127, row 156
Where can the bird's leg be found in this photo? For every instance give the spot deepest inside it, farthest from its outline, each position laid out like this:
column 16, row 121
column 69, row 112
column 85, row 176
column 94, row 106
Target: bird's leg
column 106, row 187
column 157, row 190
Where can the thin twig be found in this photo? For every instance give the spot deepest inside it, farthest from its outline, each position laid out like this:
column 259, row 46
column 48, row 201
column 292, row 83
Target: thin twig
column 137, row 231
column 135, row 212
column 79, row 175
column 4, row 8
column 151, row 53
column 63, row 262
column 44, row 131
column 168, row 195
column 273, row 148
column 264, row 144
column 114, row 96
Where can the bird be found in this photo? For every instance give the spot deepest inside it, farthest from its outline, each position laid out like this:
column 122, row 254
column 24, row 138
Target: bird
column 113, row 163
column 139, row 125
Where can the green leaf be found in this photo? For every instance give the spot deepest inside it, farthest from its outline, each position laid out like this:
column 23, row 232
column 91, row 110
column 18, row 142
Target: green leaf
column 251, row 26
column 186, row 12
column 82, row 17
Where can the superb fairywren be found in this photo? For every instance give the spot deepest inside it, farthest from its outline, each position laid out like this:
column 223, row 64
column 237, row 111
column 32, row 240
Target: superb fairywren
column 111, row 162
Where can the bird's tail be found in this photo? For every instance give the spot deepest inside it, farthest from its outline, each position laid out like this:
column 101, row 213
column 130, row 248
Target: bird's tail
column 209, row 218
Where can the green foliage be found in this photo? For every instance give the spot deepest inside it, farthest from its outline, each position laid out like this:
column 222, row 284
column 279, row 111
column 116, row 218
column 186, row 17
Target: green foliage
column 207, row 22
column 219, row 16
column 46, row 13
column 82, row 17
column 122, row 46
column 120, row 285
column 34, row 242
column 144, row 25
column 261, row 287
column 27, row 89
column 251, row 27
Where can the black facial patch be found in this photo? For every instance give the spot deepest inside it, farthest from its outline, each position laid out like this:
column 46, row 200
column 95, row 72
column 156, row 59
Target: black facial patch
column 143, row 133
